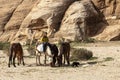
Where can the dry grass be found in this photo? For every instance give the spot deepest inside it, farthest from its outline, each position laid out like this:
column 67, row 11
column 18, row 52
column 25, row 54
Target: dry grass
column 81, row 54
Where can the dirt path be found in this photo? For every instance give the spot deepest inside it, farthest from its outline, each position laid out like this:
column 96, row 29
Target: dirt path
column 104, row 70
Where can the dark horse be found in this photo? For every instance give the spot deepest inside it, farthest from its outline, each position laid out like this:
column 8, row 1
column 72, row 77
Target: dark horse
column 16, row 51
column 52, row 53
column 64, row 52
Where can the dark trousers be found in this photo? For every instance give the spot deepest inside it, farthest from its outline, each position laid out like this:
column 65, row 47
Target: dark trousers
column 44, row 46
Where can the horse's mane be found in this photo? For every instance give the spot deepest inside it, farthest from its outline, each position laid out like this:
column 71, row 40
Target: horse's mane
column 53, row 48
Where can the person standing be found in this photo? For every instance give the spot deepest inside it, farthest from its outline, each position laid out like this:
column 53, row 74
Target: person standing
column 44, row 40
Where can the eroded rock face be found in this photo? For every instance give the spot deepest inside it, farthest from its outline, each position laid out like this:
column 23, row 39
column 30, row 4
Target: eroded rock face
column 7, row 8
column 42, row 11
column 110, row 33
column 12, row 14
column 111, row 11
column 19, row 14
column 73, row 19
column 81, row 19
column 108, row 7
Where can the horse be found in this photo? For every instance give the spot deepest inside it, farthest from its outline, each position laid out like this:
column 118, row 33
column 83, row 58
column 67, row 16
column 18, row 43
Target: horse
column 64, row 51
column 15, row 51
column 52, row 53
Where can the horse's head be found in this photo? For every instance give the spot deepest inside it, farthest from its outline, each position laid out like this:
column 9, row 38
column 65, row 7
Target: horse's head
column 52, row 51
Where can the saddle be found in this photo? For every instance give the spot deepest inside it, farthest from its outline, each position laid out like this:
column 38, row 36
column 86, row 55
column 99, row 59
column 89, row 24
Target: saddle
column 40, row 47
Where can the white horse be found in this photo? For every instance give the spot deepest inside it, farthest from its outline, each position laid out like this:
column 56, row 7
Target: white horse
column 51, row 52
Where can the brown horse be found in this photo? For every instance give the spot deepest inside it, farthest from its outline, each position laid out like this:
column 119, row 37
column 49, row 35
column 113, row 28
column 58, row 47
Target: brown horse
column 52, row 53
column 64, row 51
column 16, row 51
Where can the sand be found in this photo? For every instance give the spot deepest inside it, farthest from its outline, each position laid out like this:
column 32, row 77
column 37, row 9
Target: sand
column 102, row 70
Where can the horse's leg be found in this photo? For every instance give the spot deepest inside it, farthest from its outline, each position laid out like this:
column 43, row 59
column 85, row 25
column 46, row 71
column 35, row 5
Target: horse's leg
column 45, row 59
column 54, row 60
column 10, row 56
column 60, row 60
column 64, row 58
column 10, row 60
column 36, row 56
column 14, row 59
column 36, row 59
column 36, row 52
column 18, row 58
column 39, row 58
column 22, row 61
column 67, row 57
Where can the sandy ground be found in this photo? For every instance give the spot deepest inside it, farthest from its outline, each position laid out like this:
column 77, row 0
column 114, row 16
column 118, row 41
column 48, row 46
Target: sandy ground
column 102, row 70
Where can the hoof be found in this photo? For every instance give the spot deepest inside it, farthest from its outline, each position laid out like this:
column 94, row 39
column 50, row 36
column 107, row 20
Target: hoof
column 18, row 64
column 23, row 64
column 9, row 66
column 52, row 65
column 14, row 66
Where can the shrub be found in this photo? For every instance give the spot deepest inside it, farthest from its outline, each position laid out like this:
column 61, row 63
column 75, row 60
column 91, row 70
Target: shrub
column 4, row 45
column 108, row 59
column 81, row 54
column 30, row 48
column 90, row 40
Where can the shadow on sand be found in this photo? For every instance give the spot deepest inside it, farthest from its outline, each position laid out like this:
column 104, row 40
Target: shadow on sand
column 80, row 65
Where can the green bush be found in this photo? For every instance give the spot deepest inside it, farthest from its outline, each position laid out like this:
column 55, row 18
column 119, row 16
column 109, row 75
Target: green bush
column 80, row 54
column 108, row 59
column 4, row 45
column 90, row 40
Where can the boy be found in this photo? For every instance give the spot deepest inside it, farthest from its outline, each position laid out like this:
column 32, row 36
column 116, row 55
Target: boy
column 44, row 40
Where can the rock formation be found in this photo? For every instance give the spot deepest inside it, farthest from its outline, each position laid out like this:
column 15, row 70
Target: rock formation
column 12, row 15
column 73, row 19
column 81, row 18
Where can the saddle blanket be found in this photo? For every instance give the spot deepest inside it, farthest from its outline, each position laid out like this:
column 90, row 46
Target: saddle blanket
column 40, row 47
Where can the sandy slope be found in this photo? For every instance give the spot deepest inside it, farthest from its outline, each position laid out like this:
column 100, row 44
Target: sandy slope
column 103, row 70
